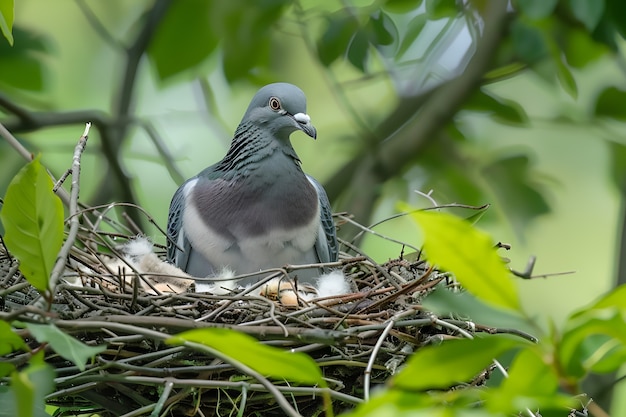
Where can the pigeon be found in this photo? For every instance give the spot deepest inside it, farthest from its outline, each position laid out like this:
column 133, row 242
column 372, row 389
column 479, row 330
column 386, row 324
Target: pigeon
column 255, row 209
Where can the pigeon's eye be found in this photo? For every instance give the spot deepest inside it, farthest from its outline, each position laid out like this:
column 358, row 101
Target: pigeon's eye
column 274, row 103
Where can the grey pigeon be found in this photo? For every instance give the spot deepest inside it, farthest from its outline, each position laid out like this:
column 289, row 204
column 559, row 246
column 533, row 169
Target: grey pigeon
column 255, row 209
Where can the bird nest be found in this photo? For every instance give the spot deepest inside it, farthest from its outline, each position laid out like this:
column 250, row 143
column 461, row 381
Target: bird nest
column 358, row 339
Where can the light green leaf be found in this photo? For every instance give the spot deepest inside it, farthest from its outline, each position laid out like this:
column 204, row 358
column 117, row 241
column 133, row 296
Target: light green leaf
column 6, row 19
column 5, row 369
column 589, row 12
column 451, row 363
column 64, row 344
column 531, row 384
column 593, row 341
column 31, row 386
column 32, row 216
column 454, row 245
column 9, row 340
column 269, row 361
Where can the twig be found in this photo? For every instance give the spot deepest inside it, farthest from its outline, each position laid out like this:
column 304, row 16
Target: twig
column 15, row 143
column 370, row 363
column 59, row 265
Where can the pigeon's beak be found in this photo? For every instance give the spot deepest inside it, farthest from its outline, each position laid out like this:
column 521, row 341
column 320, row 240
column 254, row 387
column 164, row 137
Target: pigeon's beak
column 304, row 123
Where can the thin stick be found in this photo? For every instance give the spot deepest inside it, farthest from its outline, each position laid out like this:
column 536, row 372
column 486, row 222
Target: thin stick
column 370, row 363
column 59, row 266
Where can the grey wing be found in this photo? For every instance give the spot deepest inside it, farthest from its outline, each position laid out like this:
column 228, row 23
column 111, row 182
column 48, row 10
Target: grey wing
column 178, row 246
column 326, row 245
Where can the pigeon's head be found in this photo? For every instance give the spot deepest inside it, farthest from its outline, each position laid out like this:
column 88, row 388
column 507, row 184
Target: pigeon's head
column 281, row 108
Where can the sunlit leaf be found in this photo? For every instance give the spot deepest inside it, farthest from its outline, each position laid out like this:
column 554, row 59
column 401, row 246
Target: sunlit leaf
column 588, row 12
column 32, row 216
column 455, row 245
column 9, row 340
column 451, row 363
column 65, row 345
column 438, row 9
column 5, row 369
column 183, row 39
column 610, row 103
column 6, row 19
column 581, row 50
column 531, row 383
column 269, row 361
column 537, row 9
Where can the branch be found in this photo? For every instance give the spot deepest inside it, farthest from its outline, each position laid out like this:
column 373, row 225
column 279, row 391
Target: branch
column 413, row 124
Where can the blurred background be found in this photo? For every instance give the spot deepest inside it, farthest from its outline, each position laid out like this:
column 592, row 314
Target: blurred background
column 520, row 105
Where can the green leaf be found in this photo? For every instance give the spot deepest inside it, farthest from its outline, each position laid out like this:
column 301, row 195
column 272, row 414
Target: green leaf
column 501, row 109
column 617, row 154
column 414, row 28
column 382, row 29
column 358, row 51
column 5, row 369
column 581, row 49
column 454, row 245
column 337, row 36
column 32, row 216
column 616, row 298
column 6, row 19
column 518, row 194
column 594, row 340
column 529, row 42
column 565, row 76
column 31, row 386
column 531, row 384
column 589, row 12
column 9, row 340
column 183, row 39
column 610, row 103
column 21, row 66
column 64, row 344
column 451, row 363
column 402, row 6
column 269, row 361
column 537, row 9
column 439, row 9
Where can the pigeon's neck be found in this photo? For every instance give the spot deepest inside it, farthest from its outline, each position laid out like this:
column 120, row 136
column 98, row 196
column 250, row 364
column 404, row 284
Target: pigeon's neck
column 252, row 144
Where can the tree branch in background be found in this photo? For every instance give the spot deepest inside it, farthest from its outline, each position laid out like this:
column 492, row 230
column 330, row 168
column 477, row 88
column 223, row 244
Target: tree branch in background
column 413, row 124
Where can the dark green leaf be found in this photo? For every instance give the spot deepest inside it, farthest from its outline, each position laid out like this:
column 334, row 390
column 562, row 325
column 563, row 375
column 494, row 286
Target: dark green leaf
column 610, row 103
column 402, row 6
column 337, row 36
column 451, row 363
column 6, row 19
column 64, row 344
column 439, row 9
column 456, row 246
column 184, row 38
column 588, row 12
column 9, row 340
column 414, row 28
column 517, row 194
column 246, row 35
column 21, row 66
column 269, row 361
column 358, row 51
column 499, row 108
column 528, row 41
column 382, row 29
column 616, row 15
column 537, row 9
column 32, row 216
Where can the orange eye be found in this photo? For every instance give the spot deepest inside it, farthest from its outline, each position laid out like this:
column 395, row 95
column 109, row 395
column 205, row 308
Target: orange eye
column 274, row 103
